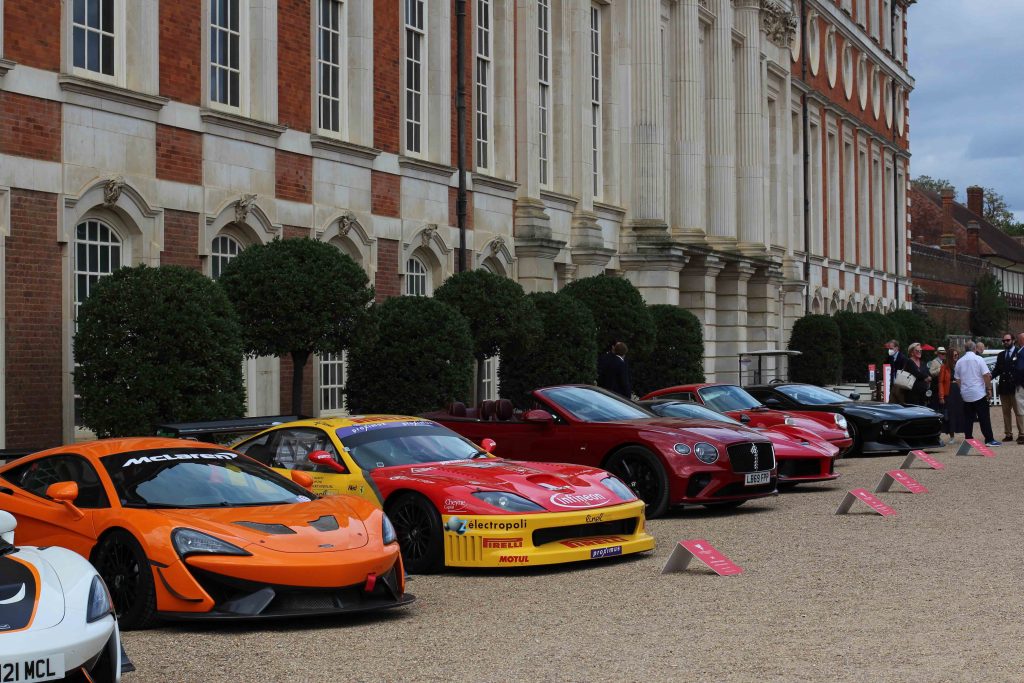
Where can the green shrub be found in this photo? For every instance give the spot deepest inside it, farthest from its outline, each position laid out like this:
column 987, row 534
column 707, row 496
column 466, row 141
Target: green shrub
column 817, row 338
column 887, row 329
column 989, row 315
column 915, row 326
column 678, row 353
column 157, row 345
column 297, row 297
column 619, row 312
column 564, row 353
column 415, row 356
column 862, row 342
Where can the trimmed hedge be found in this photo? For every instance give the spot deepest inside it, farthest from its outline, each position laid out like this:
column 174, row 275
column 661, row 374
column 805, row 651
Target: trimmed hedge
column 678, row 353
column 563, row 354
column 414, row 356
column 157, row 345
column 619, row 312
column 862, row 344
column 817, row 338
column 915, row 327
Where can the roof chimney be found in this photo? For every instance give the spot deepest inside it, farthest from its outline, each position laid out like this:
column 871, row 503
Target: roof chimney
column 973, row 229
column 948, row 244
column 976, row 200
column 948, row 225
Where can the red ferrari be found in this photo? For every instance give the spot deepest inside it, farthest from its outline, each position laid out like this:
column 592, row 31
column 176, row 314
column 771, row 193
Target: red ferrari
column 667, row 462
column 740, row 405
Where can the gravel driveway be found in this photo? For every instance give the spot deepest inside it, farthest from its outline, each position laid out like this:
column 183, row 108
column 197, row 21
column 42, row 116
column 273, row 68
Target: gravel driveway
column 933, row 594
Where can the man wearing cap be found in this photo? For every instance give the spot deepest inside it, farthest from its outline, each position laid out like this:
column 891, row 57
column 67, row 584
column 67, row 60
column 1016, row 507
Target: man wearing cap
column 1007, row 388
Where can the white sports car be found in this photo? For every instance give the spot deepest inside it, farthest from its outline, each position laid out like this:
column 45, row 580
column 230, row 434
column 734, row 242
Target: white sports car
column 56, row 618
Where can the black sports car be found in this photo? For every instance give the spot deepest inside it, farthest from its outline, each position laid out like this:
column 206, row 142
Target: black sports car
column 875, row 427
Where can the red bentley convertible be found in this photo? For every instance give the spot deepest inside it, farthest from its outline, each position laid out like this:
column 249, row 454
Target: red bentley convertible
column 666, row 461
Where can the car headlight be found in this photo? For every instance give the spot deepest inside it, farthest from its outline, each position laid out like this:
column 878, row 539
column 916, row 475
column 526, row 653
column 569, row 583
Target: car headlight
column 191, row 542
column 507, row 501
column 618, row 488
column 790, row 422
column 388, row 534
column 681, row 449
column 99, row 601
column 840, row 420
column 706, row 453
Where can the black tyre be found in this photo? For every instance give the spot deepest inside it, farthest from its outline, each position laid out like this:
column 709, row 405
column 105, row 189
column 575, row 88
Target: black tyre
column 858, row 442
column 420, row 536
column 644, row 474
column 122, row 563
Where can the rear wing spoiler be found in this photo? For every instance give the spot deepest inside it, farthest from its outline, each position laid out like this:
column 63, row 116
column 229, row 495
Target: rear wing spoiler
column 201, row 431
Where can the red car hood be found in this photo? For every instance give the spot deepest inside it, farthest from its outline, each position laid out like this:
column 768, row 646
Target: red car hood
column 557, row 487
column 794, row 442
column 694, row 430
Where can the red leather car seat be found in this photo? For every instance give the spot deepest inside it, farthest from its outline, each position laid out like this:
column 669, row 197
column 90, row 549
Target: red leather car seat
column 504, row 410
column 486, row 411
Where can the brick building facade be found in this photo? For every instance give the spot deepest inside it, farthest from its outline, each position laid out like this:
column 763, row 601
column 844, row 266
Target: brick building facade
column 660, row 140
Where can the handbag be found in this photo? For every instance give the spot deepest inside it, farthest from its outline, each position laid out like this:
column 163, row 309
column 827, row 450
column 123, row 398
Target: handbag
column 905, row 380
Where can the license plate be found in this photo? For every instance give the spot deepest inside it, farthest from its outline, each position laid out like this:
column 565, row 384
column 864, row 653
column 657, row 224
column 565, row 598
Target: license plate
column 45, row 668
column 757, row 478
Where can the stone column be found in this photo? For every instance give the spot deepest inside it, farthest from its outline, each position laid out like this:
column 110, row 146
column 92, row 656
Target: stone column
column 647, row 207
column 763, row 304
column 697, row 294
column 656, row 274
column 721, row 131
column 688, row 140
column 732, row 319
column 750, row 162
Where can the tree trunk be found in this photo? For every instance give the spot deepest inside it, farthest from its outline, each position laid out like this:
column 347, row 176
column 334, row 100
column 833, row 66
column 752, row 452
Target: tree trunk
column 479, row 380
column 299, row 359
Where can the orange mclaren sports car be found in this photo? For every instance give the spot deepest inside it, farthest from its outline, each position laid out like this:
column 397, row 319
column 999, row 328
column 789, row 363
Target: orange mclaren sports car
column 182, row 529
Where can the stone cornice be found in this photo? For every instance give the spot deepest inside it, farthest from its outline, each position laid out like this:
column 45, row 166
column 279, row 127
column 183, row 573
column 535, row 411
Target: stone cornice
column 349, row 149
column 778, row 23
column 224, row 120
column 6, row 65
column 491, row 182
column 106, row 91
column 428, row 167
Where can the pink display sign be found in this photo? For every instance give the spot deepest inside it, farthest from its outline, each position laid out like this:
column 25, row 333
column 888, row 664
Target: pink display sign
column 700, row 549
column 872, row 501
column 912, row 485
column 981, row 448
column 923, row 457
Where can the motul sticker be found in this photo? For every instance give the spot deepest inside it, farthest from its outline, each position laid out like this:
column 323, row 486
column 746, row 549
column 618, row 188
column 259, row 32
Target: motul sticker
column 578, row 500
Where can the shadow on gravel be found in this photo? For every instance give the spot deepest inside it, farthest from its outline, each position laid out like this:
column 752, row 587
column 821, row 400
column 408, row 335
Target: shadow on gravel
column 698, row 512
column 287, row 624
column 809, row 488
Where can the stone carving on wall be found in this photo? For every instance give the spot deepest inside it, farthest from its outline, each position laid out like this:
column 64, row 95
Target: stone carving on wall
column 345, row 223
column 243, row 206
column 778, row 23
column 496, row 245
column 112, row 191
column 428, row 234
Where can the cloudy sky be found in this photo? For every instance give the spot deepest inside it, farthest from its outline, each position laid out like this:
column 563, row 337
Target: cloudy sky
column 967, row 109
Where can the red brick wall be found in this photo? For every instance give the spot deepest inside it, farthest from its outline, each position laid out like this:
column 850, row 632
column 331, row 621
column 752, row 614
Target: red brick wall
column 181, row 240
column 181, row 50
column 34, row 323
column 32, row 33
column 294, row 177
column 286, row 386
column 385, row 194
column 179, row 155
column 453, row 216
column 386, row 77
column 294, row 80
column 292, row 232
column 926, row 221
column 387, row 283
column 468, row 75
column 29, row 126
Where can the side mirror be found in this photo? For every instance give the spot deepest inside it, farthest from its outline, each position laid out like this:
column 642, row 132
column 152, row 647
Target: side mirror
column 65, row 493
column 538, row 416
column 855, row 396
column 772, row 402
column 303, row 479
column 488, row 445
column 7, row 526
column 744, row 418
column 327, row 460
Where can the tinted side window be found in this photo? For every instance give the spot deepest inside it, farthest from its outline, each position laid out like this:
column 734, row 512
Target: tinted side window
column 678, row 396
column 291, row 448
column 36, row 476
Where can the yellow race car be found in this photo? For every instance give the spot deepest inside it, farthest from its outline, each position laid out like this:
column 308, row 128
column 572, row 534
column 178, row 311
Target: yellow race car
column 451, row 502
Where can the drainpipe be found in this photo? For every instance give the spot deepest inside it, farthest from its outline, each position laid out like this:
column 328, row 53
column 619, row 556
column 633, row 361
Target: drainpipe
column 460, row 108
column 805, row 120
column 895, row 160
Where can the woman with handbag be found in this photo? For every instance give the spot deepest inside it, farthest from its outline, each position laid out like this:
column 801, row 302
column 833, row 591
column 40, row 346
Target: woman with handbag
column 917, row 392
column 950, row 404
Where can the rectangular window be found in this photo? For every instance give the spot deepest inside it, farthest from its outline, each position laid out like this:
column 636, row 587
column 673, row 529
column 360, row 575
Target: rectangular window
column 544, row 89
column 415, row 45
column 849, row 192
column 333, row 371
column 93, row 36
column 484, row 83
column 225, row 52
column 596, row 123
column 832, row 149
column 330, row 73
column 489, row 381
column 877, row 221
column 863, row 213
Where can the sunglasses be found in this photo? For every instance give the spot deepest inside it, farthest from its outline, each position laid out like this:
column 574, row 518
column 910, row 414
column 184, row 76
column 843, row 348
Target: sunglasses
column 1007, row 341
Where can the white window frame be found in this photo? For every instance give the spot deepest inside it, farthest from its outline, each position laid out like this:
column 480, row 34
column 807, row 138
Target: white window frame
column 418, row 281
column 331, row 91
column 484, row 87
column 544, row 98
column 596, row 95
column 118, row 35
column 414, row 118
column 223, row 249
column 242, row 70
column 489, row 381
column 333, row 379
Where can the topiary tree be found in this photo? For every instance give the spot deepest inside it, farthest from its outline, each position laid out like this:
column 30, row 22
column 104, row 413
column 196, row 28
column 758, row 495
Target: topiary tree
column 618, row 309
column 157, row 345
column 817, row 338
column 497, row 311
column 296, row 297
column 915, row 327
column 563, row 354
column 989, row 315
column 415, row 356
column 678, row 353
column 861, row 342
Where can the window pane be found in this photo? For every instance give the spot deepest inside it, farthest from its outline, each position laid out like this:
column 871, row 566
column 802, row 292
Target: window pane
column 107, row 16
column 92, row 11
column 234, row 61
column 92, row 61
column 233, row 14
column 79, row 47
column 79, row 12
column 107, row 65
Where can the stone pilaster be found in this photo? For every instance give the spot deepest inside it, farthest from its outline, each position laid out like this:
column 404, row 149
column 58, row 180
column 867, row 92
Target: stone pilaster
column 721, row 131
column 763, row 314
column 655, row 272
column 750, row 147
column 647, row 142
column 589, row 253
column 732, row 319
column 794, row 306
column 698, row 288
column 687, row 192
column 535, row 248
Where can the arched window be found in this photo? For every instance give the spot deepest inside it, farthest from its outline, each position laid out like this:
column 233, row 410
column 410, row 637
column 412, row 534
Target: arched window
column 417, row 278
column 222, row 251
column 97, row 253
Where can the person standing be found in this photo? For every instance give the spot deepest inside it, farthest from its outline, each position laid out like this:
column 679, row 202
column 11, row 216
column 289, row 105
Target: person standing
column 950, row 404
column 917, row 394
column 934, row 368
column 975, row 381
column 616, row 372
column 896, row 362
column 1018, row 376
column 1007, row 388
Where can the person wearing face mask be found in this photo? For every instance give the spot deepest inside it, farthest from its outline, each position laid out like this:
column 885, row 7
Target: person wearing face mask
column 897, row 361
column 1003, row 371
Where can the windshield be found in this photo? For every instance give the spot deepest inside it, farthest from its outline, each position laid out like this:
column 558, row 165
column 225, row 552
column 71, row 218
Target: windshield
column 591, row 405
column 692, row 411
column 388, row 444
column 726, row 397
column 197, row 478
column 808, row 394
